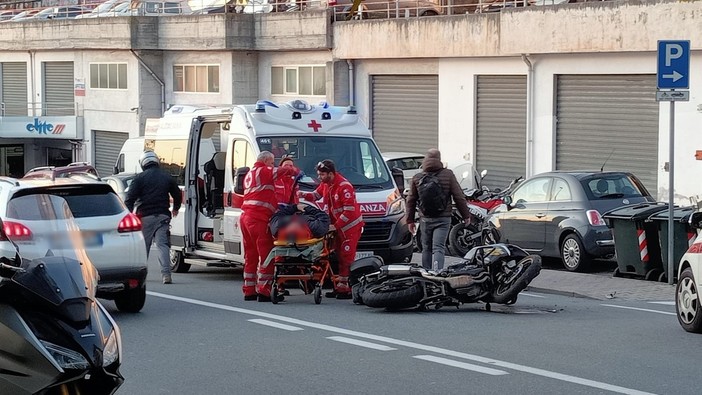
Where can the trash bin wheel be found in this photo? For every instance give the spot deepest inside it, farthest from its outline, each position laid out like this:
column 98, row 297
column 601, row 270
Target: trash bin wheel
column 663, row 278
column 617, row 273
column 573, row 254
column 652, row 275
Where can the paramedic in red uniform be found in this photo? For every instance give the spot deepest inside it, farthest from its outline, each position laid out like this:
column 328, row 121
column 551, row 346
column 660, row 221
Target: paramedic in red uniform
column 340, row 198
column 259, row 205
column 285, row 187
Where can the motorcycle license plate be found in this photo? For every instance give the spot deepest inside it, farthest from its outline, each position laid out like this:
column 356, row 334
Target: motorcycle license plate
column 363, row 254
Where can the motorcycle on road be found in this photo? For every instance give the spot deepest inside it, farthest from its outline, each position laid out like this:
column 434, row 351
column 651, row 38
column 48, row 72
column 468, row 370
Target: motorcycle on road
column 494, row 273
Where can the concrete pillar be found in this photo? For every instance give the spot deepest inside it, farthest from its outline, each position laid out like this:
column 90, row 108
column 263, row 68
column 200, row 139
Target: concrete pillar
column 338, row 92
column 150, row 90
column 245, row 77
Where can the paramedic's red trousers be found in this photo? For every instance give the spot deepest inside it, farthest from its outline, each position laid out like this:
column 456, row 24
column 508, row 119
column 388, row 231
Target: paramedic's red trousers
column 258, row 243
column 346, row 244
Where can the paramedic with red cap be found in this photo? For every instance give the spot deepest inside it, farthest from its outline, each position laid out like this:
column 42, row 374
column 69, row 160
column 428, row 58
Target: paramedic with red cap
column 260, row 203
column 340, row 197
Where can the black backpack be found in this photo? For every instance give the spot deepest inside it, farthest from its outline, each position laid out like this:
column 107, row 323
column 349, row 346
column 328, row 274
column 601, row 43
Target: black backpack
column 432, row 198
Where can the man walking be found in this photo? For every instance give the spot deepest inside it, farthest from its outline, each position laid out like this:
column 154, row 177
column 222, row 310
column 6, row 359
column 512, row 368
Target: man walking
column 431, row 191
column 149, row 193
column 340, row 197
column 260, row 203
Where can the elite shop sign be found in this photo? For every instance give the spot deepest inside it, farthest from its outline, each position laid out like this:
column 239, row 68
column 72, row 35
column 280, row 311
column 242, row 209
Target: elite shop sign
column 39, row 127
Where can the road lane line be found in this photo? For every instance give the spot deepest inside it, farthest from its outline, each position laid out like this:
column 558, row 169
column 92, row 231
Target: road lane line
column 667, row 303
column 361, row 343
column 531, row 295
column 417, row 346
column 639, row 309
column 275, row 324
column 462, row 365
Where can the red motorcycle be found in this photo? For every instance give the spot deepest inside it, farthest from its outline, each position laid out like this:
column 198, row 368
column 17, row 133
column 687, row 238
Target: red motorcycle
column 481, row 203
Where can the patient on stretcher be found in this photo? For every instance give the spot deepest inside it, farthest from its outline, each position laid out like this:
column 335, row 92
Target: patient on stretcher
column 299, row 224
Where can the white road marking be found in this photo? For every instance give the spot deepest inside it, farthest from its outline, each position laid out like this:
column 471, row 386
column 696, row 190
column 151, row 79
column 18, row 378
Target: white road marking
column 356, row 342
column 276, row 325
column 417, row 346
column 639, row 309
column 667, row 303
column 462, row 365
column 531, row 295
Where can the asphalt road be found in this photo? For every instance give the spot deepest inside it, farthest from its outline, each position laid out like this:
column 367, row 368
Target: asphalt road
column 198, row 336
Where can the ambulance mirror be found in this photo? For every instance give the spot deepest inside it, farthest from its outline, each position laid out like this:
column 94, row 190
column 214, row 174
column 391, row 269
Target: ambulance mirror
column 239, row 180
column 399, row 178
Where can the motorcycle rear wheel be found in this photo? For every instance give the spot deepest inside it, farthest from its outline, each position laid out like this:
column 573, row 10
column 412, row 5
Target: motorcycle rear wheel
column 393, row 297
column 525, row 271
column 460, row 240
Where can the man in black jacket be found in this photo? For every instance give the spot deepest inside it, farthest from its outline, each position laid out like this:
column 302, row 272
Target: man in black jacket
column 149, row 192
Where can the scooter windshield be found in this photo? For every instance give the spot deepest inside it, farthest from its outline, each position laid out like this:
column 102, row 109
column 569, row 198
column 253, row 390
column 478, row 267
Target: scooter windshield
column 43, row 222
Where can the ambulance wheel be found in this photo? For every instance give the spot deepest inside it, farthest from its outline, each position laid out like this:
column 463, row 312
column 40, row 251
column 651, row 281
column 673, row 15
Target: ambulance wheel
column 178, row 264
column 318, row 294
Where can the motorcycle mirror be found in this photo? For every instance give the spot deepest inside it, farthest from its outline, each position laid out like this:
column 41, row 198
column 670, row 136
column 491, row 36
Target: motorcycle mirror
column 483, row 173
column 508, row 201
column 464, row 175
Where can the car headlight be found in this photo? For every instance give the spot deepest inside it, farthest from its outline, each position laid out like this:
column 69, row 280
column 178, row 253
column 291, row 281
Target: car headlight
column 397, row 207
column 65, row 358
column 111, row 353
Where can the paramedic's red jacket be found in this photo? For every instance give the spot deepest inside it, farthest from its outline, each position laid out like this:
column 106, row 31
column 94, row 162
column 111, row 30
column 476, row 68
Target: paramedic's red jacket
column 340, row 198
column 260, row 200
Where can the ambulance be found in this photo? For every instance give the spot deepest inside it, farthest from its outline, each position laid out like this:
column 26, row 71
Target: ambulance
column 208, row 231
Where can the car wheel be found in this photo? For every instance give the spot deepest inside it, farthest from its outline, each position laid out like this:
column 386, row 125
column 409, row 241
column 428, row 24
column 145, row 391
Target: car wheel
column 687, row 303
column 574, row 256
column 178, row 264
column 131, row 300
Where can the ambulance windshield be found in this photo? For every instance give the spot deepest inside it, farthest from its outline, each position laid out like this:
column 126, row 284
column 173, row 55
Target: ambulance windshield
column 356, row 158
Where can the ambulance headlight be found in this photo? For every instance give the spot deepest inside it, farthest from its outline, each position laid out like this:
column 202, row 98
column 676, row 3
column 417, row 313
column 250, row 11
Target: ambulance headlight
column 397, row 206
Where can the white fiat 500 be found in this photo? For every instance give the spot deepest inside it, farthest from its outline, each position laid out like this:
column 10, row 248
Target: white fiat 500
column 112, row 235
column 687, row 293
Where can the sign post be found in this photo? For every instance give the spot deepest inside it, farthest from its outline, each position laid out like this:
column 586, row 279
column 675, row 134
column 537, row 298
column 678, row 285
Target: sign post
column 673, row 73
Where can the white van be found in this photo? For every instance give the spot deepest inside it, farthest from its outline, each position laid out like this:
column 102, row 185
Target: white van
column 308, row 134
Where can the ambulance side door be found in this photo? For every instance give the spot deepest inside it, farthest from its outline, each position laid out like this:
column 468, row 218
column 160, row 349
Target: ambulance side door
column 241, row 153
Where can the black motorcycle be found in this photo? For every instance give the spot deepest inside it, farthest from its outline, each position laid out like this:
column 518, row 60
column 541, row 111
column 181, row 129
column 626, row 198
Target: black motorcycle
column 56, row 337
column 489, row 274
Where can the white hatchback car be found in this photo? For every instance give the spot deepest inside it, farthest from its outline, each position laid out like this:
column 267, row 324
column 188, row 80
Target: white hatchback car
column 409, row 163
column 111, row 234
column 687, row 293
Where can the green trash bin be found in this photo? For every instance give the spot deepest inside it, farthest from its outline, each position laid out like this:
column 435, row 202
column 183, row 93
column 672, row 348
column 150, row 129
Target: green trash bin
column 684, row 236
column 636, row 240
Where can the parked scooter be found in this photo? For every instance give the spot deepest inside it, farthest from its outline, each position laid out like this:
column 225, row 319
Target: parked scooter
column 56, row 337
column 481, row 203
column 489, row 274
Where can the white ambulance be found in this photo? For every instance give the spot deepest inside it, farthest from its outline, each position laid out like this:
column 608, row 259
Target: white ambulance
column 208, row 230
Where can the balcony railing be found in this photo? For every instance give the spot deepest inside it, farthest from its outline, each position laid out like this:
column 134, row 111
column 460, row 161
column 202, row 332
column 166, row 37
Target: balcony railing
column 35, row 109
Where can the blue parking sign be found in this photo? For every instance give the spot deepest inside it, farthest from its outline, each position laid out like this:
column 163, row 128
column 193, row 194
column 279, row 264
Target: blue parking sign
column 674, row 64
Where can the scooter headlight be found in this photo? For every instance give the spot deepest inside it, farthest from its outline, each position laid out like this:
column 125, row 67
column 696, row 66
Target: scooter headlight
column 397, row 207
column 65, row 358
column 111, row 353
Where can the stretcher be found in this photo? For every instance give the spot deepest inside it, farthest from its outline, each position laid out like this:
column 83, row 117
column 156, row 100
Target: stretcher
column 305, row 262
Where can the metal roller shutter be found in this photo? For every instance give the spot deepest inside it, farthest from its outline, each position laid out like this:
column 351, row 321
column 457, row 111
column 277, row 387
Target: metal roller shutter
column 106, row 150
column 501, row 128
column 14, row 88
column 405, row 112
column 58, row 88
column 603, row 115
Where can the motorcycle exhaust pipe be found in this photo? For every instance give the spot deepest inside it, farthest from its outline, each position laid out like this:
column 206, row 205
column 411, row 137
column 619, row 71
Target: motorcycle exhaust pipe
column 399, row 270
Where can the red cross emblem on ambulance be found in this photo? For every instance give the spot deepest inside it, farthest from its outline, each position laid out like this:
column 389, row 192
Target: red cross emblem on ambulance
column 314, row 125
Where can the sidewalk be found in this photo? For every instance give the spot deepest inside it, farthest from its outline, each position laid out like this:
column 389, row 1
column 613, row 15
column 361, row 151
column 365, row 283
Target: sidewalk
column 594, row 286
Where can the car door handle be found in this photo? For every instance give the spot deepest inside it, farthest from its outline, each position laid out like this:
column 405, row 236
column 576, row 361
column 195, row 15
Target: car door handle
column 540, row 215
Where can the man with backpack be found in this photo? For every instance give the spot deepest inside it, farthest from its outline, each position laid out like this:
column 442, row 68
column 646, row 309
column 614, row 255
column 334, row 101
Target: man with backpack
column 431, row 192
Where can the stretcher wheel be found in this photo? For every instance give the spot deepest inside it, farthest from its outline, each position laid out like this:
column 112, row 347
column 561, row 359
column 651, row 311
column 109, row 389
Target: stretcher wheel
column 318, row 294
column 274, row 294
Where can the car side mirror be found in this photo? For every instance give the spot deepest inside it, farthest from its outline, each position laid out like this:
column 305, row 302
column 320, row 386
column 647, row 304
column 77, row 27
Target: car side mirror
column 239, row 180
column 695, row 220
column 399, row 178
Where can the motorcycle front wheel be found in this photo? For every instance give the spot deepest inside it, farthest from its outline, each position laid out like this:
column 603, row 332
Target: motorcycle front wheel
column 393, row 295
column 516, row 280
column 462, row 238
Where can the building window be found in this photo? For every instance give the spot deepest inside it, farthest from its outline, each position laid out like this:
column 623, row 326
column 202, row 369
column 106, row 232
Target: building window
column 108, row 76
column 299, row 80
column 196, row 78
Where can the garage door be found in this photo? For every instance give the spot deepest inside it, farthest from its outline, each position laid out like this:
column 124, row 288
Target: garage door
column 405, row 112
column 107, row 146
column 14, row 88
column 501, row 128
column 608, row 118
column 58, row 88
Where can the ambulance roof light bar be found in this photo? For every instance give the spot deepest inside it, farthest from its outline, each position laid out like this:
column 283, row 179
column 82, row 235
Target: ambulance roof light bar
column 261, row 105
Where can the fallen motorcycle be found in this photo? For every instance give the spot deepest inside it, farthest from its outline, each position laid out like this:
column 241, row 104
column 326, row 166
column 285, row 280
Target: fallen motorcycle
column 494, row 273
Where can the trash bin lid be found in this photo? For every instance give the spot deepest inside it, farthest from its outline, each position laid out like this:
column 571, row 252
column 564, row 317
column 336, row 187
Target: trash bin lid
column 636, row 212
column 681, row 214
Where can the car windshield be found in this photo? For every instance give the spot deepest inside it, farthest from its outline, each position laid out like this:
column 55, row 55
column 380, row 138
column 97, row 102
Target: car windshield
column 356, row 158
column 612, row 186
column 411, row 163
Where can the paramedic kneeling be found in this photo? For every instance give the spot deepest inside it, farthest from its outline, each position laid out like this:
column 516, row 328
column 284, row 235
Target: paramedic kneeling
column 340, row 197
column 259, row 205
